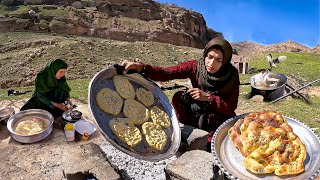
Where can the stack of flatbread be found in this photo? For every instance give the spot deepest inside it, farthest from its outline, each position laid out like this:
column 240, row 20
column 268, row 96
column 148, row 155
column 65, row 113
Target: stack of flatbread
column 268, row 144
column 139, row 111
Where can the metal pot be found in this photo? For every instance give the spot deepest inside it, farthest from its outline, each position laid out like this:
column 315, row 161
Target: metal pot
column 72, row 117
column 24, row 115
column 269, row 93
column 5, row 114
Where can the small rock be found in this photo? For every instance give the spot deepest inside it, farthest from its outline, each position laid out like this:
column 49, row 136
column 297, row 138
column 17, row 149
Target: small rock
column 257, row 98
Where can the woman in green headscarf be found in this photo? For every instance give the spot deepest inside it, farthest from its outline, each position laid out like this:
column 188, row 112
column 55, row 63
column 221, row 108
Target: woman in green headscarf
column 51, row 89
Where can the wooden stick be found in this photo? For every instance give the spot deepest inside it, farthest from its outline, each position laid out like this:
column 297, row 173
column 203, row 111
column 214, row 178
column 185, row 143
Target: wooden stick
column 301, row 95
column 294, row 91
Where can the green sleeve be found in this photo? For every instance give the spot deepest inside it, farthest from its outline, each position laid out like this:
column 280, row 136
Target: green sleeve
column 45, row 100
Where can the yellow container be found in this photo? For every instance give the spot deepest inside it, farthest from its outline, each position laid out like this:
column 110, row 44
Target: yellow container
column 69, row 131
column 69, row 127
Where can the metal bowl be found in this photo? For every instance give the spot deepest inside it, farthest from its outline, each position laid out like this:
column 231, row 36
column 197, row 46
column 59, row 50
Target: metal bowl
column 6, row 113
column 72, row 117
column 24, row 115
column 76, row 114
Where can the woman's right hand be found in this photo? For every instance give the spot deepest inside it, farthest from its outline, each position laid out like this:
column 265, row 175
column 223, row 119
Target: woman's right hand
column 132, row 65
column 60, row 106
column 63, row 107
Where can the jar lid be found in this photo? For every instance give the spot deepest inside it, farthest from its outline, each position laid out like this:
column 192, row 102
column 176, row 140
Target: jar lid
column 69, row 127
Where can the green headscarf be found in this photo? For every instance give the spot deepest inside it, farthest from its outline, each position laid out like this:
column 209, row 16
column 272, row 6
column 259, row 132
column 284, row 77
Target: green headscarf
column 221, row 81
column 46, row 79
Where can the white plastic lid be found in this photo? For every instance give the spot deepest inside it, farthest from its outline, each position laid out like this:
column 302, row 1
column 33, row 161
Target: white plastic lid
column 83, row 126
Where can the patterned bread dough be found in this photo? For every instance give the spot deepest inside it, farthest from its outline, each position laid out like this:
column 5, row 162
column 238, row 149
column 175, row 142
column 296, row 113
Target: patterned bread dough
column 145, row 96
column 136, row 111
column 160, row 117
column 123, row 87
column 278, row 156
column 268, row 144
column 154, row 134
column 109, row 101
column 125, row 130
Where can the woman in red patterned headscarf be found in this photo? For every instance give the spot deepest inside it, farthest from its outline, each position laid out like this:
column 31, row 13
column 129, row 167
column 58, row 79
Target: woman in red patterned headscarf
column 213, row 97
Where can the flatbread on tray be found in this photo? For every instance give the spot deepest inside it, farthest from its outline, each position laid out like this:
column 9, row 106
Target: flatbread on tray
column 136, row 111
column 155, row 136
column 268, row 144
column 160, row 117
column 145, row 96
column 109, row 101
column 123, row 87
column 125, row 130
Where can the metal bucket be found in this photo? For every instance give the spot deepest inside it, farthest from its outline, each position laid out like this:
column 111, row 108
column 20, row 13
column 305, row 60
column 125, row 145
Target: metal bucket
column 269, row 93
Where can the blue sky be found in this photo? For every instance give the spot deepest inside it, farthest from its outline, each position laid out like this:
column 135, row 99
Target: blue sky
column 262, row 21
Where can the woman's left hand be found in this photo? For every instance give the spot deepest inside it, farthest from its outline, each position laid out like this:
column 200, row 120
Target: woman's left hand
column 198, row 94
column 69, row 104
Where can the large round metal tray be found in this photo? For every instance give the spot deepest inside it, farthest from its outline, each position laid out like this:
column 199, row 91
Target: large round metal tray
column 103, row 79
column 229, row 159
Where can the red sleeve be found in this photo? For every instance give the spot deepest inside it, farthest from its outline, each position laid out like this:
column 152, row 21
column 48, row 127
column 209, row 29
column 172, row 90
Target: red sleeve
column 226, row 105
column 183, row 70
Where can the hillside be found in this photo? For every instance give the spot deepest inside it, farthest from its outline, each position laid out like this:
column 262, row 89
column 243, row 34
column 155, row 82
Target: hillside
column 23, row 54
column 134, row 20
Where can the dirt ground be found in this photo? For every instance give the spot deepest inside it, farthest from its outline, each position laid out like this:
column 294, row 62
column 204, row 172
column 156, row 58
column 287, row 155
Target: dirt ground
column 314, row 91
column 53, row 157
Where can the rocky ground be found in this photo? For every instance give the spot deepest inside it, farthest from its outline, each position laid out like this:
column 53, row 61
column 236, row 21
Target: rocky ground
column 54, row 158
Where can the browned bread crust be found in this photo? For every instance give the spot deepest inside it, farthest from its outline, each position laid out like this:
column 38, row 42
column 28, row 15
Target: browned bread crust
column 268, row 143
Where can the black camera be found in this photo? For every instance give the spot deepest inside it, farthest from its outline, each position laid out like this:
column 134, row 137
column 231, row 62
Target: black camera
column 186, row 98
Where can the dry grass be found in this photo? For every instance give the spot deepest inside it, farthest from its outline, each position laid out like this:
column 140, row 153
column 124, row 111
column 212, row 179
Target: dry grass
column 87, row 56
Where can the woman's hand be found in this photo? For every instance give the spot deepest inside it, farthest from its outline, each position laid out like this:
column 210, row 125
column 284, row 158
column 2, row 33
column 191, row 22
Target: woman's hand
column 61, row 106
column 69, row 104
column 132, row 65
column 198, row 94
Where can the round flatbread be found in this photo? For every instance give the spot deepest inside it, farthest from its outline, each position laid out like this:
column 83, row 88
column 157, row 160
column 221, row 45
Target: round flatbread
column 155, row 136
column 160, row 117
column 109, row 101
column 145, row 96
column 268, row 144
column 136, row 111
column 125, row 130
column 123, row 87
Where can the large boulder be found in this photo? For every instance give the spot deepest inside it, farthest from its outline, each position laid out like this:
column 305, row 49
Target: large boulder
column 8, row 2
column 43, row 25
column 61, row 27
column 33, row 2
column 22, row 24
column 77, row 5
column 7, row 24
column 50, row 7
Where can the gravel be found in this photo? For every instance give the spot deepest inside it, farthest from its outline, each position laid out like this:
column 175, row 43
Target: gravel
column 132, row 168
